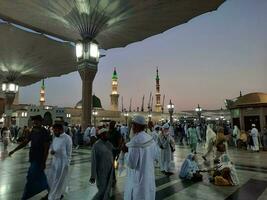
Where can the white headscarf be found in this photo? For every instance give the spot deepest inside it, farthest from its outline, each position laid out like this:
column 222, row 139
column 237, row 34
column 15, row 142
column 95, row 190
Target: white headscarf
column 210, row 136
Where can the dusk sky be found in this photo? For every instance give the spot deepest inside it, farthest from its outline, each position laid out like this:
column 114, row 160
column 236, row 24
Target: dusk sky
column 205, row 61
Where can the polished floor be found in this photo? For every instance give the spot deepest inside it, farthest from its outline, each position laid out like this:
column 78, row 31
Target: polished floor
column 251, row 168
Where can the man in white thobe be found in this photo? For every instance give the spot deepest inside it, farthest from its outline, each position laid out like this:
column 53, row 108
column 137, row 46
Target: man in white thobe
column 61, row 149
column 167, row 147
column 140, row 181
column 255, row 134
column 102, row 165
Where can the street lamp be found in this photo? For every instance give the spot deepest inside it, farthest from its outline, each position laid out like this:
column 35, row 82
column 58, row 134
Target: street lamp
column 87, row 53
column 10, row 89
column 170, row 107
column 126, row 114
column 198, row 111
column 95, row 113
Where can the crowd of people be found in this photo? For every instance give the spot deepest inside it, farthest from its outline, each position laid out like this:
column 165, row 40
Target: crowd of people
column 136, row 149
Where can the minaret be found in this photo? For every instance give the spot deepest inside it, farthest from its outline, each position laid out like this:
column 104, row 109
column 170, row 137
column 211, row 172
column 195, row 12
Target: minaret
column 114, row 97
column 158, row 104
column 42, row 94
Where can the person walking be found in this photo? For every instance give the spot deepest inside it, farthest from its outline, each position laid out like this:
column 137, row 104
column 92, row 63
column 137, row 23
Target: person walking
column 102, row 165
column 61, row 149
column 140, row 180
column 40, row 141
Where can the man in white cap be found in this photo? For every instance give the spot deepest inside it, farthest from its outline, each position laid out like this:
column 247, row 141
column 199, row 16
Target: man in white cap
column 254, row 134
column 102, row 165
column 167, row 147
column 140, row 181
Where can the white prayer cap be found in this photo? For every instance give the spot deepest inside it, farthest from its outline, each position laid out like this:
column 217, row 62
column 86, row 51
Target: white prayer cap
column 166, row 126
column 102, row 130
column 253, row 125
column 139, row 119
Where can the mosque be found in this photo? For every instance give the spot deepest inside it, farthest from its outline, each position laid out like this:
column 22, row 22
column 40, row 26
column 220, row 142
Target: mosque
column 242, row 111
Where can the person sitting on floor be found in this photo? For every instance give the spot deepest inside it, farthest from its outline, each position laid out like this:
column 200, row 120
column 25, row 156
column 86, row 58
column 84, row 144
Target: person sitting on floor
column 225, row 173
column 190, row 170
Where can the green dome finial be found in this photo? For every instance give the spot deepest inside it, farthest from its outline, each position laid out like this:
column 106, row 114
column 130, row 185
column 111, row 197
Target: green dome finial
column 43, row 85
column 157, row 77
column 114, row 75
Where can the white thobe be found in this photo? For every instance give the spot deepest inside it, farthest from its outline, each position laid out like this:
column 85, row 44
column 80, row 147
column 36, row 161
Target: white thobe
column 254, row 133
column 93, row 132
column 155, row 136
column 166, row 155
column 58, row 173
column 140, row 181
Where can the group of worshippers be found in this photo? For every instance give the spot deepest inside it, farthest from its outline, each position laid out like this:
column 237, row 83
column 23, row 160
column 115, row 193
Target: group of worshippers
column 55, row 181
column 223, row 172
column 145, row 148
column 139, row 156
column 252, row 140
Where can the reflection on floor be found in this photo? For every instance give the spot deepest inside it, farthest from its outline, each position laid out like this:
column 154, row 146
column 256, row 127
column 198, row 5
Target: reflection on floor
column 251, row 168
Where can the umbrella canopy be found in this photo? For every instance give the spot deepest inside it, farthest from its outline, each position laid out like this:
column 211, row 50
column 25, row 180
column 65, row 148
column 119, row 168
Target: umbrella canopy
column 27, row 57
column 113, row 23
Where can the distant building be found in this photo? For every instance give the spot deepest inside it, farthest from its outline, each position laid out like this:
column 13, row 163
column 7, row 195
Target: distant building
column 249, row 109
column 42, row 94
column 158, row 102
column 114, row 96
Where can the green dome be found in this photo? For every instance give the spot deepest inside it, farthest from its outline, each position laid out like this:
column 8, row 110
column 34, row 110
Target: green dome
column 96, row 103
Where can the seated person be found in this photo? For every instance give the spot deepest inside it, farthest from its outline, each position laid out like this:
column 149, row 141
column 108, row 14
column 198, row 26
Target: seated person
column 190, row 170
column 225, row 173
column 242, row 141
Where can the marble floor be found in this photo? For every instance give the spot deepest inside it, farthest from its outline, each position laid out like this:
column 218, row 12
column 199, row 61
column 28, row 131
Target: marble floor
column 251, row 168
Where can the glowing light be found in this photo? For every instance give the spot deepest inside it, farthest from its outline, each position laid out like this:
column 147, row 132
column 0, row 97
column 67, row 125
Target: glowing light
column 79, row 50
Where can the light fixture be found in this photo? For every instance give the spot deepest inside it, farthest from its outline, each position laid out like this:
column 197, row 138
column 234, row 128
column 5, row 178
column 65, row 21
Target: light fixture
column 68, row 115
column 24, row 114
column 10, row 87
column 87, row 50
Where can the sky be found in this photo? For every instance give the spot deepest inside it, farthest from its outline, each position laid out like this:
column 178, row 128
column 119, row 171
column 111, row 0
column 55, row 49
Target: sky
column 205, row 61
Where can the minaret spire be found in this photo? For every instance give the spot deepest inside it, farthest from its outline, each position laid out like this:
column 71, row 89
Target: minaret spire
column 114, row 96
column 42, row 94
column 158, row 103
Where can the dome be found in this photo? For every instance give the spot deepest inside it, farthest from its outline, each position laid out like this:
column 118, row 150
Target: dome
column 96, row 103
column 250, row 99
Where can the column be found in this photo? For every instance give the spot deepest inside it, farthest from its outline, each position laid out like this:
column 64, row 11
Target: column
column 242, row 122
column 262, row 118
column 9, row 101
column 87, row 75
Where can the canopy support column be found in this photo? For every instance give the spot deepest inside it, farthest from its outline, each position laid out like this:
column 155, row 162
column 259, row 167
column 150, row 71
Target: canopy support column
column 87, row 75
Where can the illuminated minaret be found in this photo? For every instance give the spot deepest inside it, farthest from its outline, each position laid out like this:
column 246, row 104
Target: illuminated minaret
column 42, row 94
column 114, row 97
column 158, row 104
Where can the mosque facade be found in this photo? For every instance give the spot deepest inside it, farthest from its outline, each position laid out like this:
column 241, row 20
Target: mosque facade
column 249, row 109
column 22, row 112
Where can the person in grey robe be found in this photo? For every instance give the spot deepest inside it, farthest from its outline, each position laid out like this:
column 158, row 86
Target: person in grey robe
column 102, row 165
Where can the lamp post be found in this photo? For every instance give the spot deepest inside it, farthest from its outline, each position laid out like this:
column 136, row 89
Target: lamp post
column 198, row 110
column 170, row 107
column 10, row 89
column 126, row 115
column 95, row 113
column 87, row 53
